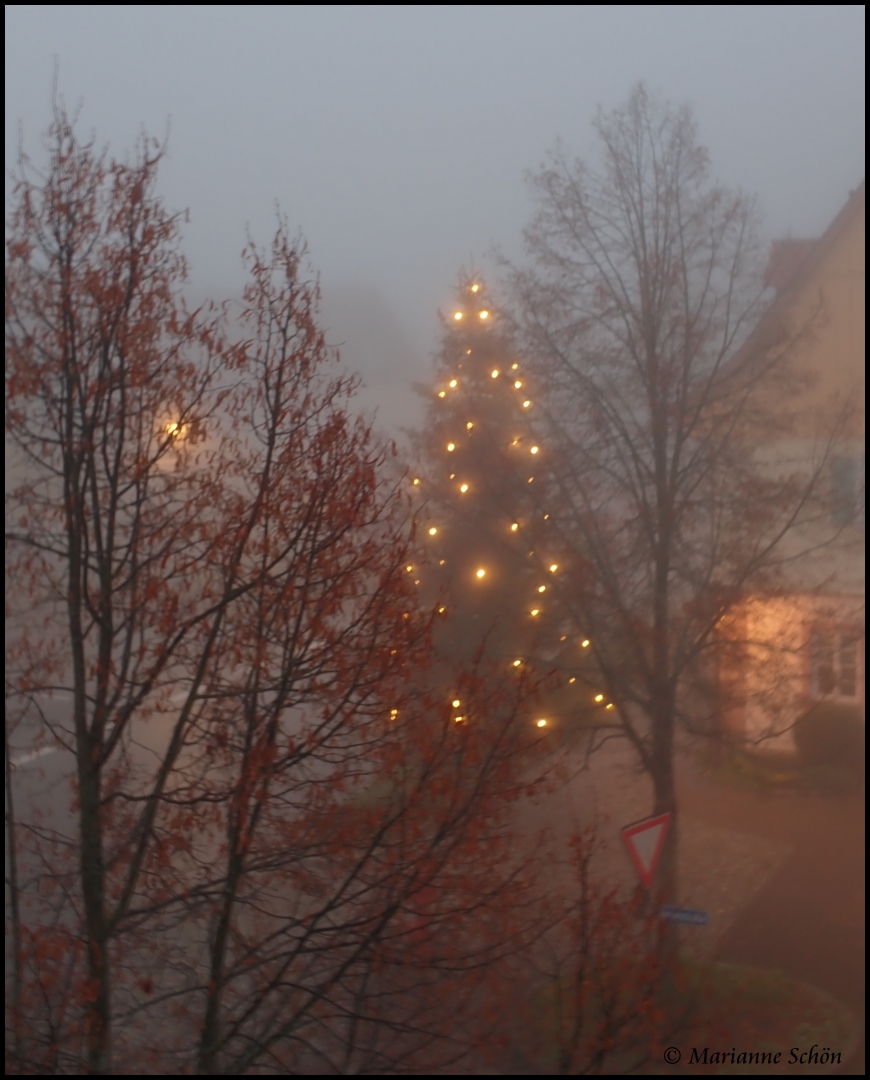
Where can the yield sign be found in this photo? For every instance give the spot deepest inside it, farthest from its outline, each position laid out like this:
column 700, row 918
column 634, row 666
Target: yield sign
column 644, row 841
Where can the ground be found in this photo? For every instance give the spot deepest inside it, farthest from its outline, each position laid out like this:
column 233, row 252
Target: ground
column 780, row 874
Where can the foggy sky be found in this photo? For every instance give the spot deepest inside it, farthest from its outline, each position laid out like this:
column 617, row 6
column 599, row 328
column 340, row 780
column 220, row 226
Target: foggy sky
column 396, row 138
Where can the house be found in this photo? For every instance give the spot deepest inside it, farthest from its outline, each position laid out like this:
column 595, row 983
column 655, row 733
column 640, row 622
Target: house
column 802, row 642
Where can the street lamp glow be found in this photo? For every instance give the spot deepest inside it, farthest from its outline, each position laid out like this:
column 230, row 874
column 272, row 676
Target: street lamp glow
column 463, row 487
column 494, row 373
column 456, row 703
column 442, row 393
column 416, row 480
column 584, row 644
column 451, row 446
column 517, row 663
column 481, row 572
column 484, row 314
column 526, row 404
column 599, row 697
column 518, row 384
column 535, row 611
column 534, row 450
column 433, row 531
column 474, row 288
column 514, row 527
column 553, row 568
column 453, row 382
column 542, row 588
column 457, row 315
column 541, row 723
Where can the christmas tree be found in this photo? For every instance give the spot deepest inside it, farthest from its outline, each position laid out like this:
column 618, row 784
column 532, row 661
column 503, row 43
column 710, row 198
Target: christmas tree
column 494, row 559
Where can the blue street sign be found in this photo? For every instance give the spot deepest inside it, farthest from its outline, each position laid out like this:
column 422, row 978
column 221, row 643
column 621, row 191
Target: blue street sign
column 685, row 915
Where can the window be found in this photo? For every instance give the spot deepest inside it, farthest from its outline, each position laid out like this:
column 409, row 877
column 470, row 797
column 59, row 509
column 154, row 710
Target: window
column 834, row 664
column 846, row 494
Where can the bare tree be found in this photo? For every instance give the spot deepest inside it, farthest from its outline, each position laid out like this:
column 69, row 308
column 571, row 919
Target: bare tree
column 636, row 313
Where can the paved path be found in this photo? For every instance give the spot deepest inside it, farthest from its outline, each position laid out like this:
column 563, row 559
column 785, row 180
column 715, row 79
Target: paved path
column 807, row 920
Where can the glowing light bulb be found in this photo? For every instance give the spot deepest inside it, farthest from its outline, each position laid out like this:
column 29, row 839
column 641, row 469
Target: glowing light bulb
column 409, row 568
column 441, row 563
column 517, row 663
column 553, row 567
column 541, row 723
column 394, row 713
column 514, row 527
column 542, row 588
column 456, row 703
column 573, row 679
column 442, row 393
column 481, row 572
column 453, row 476
column 484, row 314
column 172, row 428
column 457, row 315
column 599, row 697
column 458, row 719
column 494, row 373
column 531, row 478
column 534, row 450
column 518, row 384
column 535, row 611
column 433, row 531
column 546, row 517
column 463, row 487
column 474, row 288
column 451, row 446
column 526, row 404
column 416, row 480
column 453, row 382
column 469, row 425
column 609, row 705
column 514, row 367
column 417, row 582
column 584, row 644
column 468, row 352
column 441, row 610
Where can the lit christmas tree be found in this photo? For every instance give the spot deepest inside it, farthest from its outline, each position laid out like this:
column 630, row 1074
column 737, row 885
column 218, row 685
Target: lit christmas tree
column 493, row 556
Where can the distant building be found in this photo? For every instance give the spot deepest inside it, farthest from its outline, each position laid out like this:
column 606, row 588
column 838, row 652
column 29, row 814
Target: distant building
column 803, row 642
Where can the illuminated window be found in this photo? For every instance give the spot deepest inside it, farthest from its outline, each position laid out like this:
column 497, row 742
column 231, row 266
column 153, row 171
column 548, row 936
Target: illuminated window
column 835, row 664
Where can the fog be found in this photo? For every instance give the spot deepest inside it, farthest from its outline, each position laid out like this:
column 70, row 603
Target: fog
column 396, row 139
column 336, row 768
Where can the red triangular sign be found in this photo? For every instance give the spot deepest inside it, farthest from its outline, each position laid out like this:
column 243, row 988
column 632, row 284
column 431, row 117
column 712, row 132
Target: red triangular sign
column 644, row 841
